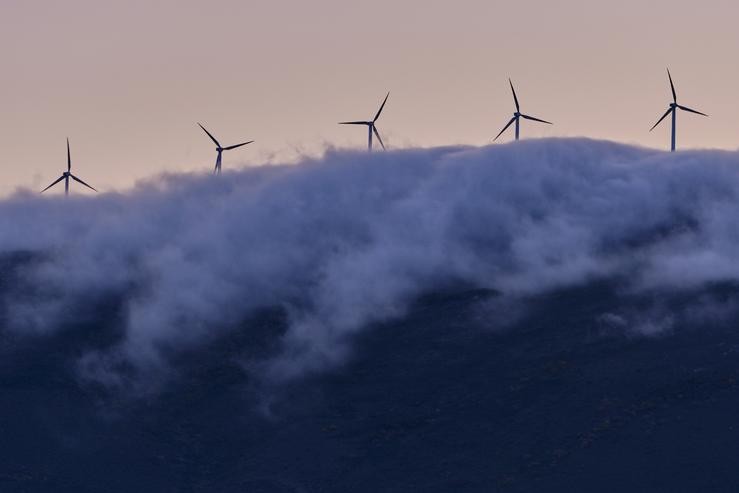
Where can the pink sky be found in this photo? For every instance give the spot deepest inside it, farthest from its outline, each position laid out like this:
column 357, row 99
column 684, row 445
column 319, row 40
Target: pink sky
column 127, row 80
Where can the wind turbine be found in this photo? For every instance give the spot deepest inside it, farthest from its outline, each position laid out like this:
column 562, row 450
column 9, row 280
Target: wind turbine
column 220, row 149
column 673, row 109
column 517, row 116
column 67, row 175
column 371, row 127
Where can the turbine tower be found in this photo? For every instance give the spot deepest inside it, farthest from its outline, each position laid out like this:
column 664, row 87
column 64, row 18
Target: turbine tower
column 67, row 175
column 673, row 109
column 371, row 127
column 517, row 116
column 220, row 149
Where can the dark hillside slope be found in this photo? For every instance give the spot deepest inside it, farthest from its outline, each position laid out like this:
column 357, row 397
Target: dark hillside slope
column 564, row 399
column 545, row 315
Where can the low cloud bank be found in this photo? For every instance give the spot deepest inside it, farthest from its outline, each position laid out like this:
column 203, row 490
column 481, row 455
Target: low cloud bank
column 352, row 238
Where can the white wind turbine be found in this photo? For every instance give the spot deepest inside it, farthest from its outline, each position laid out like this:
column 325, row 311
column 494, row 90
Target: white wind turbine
column 517, row 115
column 371, row 127
column 220, row 149
column 673, row 109
column 67, row 175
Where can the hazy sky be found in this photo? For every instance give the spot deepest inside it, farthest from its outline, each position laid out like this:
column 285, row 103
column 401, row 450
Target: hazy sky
column 127, row 80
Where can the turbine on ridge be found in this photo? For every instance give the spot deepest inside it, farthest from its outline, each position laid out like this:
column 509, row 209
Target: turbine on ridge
column 67, row 175
column 517, row 116
column 371, row 127
column 220, row 149
column 673, row 109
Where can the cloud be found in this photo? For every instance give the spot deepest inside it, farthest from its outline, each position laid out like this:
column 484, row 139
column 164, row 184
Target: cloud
column 351, row 239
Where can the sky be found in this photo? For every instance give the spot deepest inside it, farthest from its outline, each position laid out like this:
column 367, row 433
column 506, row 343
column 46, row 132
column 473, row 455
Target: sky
column 127, row 81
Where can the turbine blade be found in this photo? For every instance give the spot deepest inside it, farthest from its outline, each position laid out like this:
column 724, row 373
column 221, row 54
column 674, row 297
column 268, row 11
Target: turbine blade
column 381, row 107
column 672, row 86
column 660, row 120
column 355, row 123
column 209, row 135
column 505, row 128
column 54, row 183
column 515, row 99
column 536, row 119
column 69, row 157
column 690, row 110
column 377, row 134
column 218, row 162
column 237, row 145
column 82, row 182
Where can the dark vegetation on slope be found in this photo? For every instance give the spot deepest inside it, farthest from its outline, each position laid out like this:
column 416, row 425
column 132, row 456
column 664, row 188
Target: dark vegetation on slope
column 562, row 399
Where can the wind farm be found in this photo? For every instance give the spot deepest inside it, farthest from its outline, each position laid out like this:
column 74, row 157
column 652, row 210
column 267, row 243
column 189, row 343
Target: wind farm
column 260, row 274
column 373, row 132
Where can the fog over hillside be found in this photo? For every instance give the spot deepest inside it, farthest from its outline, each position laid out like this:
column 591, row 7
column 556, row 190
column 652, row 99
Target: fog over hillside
column 342, row 242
